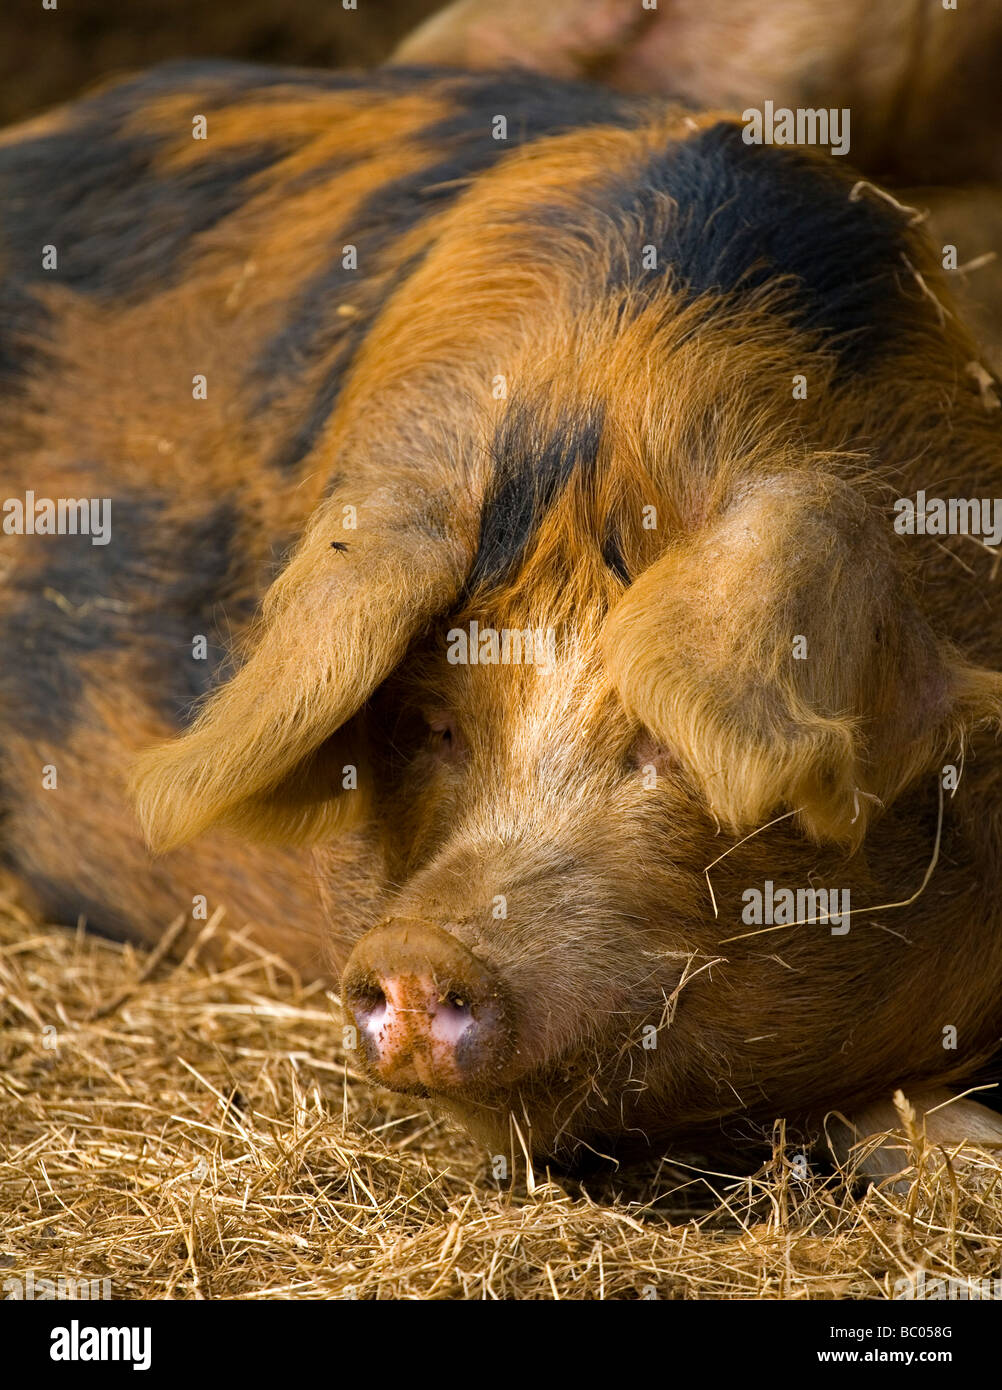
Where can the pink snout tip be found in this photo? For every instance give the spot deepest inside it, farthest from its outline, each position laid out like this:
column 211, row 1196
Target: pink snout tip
column 430, row 1014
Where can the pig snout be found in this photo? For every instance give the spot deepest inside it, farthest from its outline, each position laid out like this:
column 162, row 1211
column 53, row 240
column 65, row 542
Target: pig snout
column 430, row 1014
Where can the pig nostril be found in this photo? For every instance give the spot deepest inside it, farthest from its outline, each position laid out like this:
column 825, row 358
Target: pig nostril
column 430, row 1013
column 369, row 1006
column 453, row 1016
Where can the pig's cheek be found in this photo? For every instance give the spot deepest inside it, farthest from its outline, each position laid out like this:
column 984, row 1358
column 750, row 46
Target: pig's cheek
column 647, row 756
column 424, row 814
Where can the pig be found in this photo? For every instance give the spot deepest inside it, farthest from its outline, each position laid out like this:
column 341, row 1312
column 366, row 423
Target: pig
column 463, row 515
column 919, row 76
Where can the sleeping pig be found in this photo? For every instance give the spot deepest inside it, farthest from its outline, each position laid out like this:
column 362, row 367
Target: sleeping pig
column 533, row 552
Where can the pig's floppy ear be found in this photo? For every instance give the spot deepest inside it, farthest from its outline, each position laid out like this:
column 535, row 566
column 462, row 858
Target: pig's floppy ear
column 778, row 654
column 265, row 755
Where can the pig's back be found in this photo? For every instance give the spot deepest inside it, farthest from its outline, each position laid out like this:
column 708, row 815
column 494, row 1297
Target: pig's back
column 178, row 316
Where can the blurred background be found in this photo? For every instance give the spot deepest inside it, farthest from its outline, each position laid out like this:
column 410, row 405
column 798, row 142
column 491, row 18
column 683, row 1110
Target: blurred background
column 48, row 56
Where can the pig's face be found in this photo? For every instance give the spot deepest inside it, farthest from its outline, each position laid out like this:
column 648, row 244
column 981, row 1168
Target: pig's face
column 551, row 954
column 549, row 857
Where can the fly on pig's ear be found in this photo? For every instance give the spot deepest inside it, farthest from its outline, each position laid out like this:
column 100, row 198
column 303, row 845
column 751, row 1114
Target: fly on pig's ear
column 269, row 754
column 779, row 653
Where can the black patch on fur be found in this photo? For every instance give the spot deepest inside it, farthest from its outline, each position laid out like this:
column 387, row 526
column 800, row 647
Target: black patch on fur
column 120, row 227
column 750, row 213
column 747, row 215
column 534, row 105
column 460, row 148
column 156, row 585
column 532, row 467
column 612, row 554
column 316, row 334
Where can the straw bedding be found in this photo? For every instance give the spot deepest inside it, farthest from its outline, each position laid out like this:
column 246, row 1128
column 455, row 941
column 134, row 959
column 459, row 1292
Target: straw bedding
column 196, row 1131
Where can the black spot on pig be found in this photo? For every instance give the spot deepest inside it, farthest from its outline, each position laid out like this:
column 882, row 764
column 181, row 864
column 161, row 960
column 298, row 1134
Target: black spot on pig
column 460, row 146
column 532, row 466
column 159, row 582
column 748, row 214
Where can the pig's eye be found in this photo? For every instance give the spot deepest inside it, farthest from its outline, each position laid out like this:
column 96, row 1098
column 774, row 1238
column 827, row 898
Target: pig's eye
column 443, row 735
